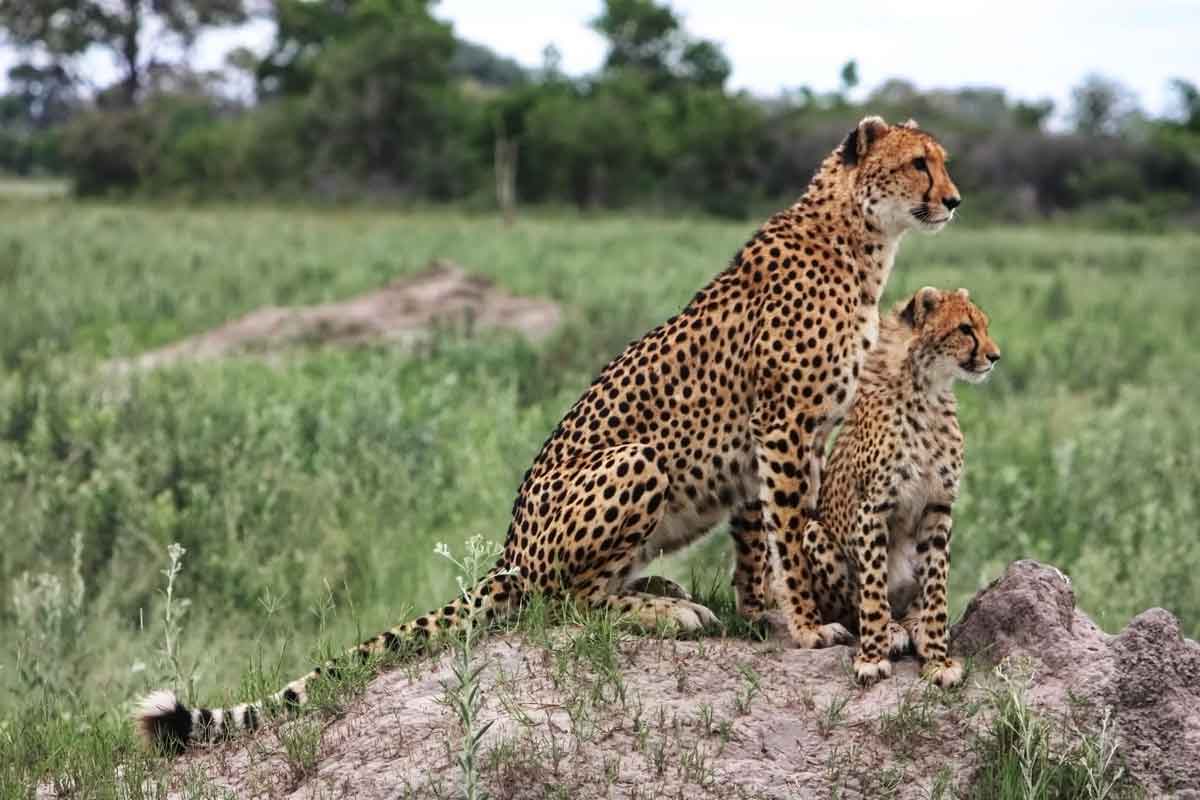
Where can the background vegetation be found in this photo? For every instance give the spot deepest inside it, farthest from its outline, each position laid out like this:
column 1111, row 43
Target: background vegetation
column 308, row 495
column 337, row 472
column 378, row 99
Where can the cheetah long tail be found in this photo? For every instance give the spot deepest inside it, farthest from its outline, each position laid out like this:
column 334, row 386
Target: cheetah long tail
column 167, row 725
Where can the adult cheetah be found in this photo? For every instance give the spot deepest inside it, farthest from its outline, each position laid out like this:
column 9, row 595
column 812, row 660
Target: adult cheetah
column 880, row 548
column 721, row 411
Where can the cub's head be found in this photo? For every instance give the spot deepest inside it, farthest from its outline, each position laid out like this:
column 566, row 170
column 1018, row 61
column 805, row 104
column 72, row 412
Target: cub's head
column 899, row 177
column 952, row 341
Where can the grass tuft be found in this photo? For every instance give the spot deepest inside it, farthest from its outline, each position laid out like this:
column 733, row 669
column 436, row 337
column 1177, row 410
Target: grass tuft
column 1026, row 757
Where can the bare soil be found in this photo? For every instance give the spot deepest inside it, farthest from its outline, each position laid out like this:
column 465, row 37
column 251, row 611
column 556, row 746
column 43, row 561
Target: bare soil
column 405, row 312
column 730, row 718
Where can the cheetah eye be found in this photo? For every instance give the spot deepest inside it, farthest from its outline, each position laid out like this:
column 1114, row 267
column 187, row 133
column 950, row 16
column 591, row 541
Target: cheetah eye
column 920, row 164
column 966, row 328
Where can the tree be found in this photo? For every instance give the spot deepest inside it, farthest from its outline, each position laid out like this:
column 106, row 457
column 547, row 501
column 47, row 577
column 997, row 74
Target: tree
column 137, row 33
column 703, row 64
column 641, row 34
column 1100, row 106
column 484, row 66
column 648, row 38
column 1187, row 100
column 381, row 96
column 39, row 97
column 849, row 76
column 303, row 31
column 1033, row 114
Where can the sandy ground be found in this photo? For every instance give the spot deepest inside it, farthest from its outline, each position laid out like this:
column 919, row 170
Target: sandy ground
column 403, row 313
column 729, row 718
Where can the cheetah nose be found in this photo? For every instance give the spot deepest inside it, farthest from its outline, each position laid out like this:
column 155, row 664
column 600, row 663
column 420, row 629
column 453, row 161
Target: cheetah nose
column 952, row 203
column 993, row 357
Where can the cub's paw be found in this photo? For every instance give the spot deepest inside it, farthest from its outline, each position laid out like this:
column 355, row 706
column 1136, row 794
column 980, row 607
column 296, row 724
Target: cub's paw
column 901, row 642
column 867, row 670
column 658, row 585
column 809, row 637
column 946, row 672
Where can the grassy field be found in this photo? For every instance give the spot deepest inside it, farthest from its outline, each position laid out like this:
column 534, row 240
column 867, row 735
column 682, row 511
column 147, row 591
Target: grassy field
column 309, row 496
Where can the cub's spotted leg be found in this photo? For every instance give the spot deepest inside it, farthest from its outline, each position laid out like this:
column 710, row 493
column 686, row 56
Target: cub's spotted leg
column 900, row 641
column 870, row 549
column 585, row 526
column 907, row 628
column 933, row 543
column 752, row 569
column 789, row 483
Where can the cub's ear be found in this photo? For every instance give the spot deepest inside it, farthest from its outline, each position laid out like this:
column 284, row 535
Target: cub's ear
column 911, row 124
column 964, row 294
column 928, row 299
column 859, row 140
column 920, row 306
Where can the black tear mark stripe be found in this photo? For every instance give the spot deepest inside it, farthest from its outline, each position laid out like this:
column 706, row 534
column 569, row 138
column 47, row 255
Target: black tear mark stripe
column 928, row 174
column 974, row 348
column 974, row 344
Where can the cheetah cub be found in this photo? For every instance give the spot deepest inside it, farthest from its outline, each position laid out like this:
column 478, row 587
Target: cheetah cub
column 879, row 550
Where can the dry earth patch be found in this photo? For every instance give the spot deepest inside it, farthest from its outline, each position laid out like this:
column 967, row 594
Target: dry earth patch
column 405, row 312
column 642, row 717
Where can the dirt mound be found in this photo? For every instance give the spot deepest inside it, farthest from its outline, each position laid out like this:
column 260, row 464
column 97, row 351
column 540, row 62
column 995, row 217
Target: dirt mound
column 584, row 714
column 404, row 312
column 1148, row 674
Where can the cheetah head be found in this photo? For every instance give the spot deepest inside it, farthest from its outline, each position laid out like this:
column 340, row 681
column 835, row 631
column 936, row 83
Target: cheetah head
column 952, row 338
column 898, row 174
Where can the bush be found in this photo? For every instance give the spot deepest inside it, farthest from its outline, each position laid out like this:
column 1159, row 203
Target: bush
column 117, row 151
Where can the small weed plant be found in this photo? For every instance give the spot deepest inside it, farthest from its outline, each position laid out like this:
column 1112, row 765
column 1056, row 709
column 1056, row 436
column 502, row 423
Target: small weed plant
column 464, row 695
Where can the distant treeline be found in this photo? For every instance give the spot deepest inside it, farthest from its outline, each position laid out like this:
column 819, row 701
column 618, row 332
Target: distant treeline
column 377, row 99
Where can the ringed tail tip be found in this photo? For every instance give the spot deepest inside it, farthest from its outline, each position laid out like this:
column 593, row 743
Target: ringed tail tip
column 163, row 722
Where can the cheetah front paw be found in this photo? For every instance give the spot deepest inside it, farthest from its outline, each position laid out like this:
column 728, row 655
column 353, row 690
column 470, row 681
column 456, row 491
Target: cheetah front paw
column 810, row 637
column 868, row 670
column 945, row 672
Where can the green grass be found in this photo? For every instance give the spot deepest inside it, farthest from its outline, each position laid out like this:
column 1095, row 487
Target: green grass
column 1026, row 757
column 310, row 495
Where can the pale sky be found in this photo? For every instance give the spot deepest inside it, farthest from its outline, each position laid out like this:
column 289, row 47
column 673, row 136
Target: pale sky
column 1031, row 49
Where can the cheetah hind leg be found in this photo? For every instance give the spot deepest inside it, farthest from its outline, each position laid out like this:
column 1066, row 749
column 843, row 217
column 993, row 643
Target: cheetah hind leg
column 652, row 611
column 628, row 510
column 659, row 586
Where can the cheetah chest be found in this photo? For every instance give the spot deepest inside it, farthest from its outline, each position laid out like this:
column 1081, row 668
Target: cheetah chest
column 902, row 537
column 920, row 482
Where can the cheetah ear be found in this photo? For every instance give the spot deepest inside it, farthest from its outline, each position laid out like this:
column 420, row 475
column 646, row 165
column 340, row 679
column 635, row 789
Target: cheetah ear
column 859, row 140
column 911, row 124
column 964, row 294
column 920, row 306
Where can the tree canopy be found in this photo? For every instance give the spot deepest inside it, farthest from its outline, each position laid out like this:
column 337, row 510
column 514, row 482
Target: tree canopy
column 137, row 33
column 358, row 98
